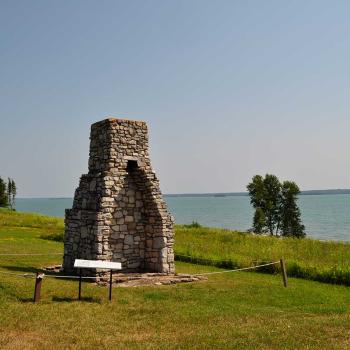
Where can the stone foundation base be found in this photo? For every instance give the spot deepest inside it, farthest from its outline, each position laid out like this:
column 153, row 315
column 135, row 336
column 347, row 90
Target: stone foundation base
column 144, row 279
column 136, row 279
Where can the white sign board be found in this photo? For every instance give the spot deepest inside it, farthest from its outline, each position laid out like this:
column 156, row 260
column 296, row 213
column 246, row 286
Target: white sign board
column 97, row 264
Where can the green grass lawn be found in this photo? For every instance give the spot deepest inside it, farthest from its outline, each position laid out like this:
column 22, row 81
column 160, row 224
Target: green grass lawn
column 228, row 311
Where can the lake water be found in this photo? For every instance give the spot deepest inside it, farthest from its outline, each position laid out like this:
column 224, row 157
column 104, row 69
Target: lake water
column 324, row 216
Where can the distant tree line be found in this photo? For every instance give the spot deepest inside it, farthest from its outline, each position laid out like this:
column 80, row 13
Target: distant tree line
column 275, row 204
column 8, row 192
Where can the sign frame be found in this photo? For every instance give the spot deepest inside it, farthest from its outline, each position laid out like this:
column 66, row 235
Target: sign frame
column 97, row 264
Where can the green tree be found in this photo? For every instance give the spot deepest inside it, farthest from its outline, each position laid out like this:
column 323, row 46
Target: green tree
column 3, row 193
column 259, row 221
column 265, row 196
column 290, row 213
column 276, row 210
column 272, row 198
column 9, row 192
column 13, row 194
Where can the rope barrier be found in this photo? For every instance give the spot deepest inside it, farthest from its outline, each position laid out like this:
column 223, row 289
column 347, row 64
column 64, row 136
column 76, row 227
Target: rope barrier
column 31, row 275
column 76, row 277
column 44, row 275
column 241, row 269
column 25, row 254
column 26, row 275
column 40, row 276
column 90, row 277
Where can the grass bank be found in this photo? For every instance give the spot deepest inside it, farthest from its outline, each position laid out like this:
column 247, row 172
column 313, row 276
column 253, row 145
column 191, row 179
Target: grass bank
column 306, row 258
column 9, row 218
column 228, row 311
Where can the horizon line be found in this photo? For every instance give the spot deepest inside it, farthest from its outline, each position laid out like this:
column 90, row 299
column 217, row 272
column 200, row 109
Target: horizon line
column 203, row 193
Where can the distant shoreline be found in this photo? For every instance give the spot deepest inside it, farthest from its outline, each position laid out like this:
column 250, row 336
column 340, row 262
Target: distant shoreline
column 226, row 194
column 244, row 194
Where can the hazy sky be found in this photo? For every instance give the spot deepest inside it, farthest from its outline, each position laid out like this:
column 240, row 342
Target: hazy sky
column 229, row 89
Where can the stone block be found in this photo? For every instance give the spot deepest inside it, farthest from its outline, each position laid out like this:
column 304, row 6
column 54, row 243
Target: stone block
column 129, row 218
column 129, row 239
column 158, row 242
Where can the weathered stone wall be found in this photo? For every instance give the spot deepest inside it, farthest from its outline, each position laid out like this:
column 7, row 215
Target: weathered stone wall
column 118, row 212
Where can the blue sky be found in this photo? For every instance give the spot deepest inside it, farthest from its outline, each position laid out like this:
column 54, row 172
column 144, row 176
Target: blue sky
column 229, row 89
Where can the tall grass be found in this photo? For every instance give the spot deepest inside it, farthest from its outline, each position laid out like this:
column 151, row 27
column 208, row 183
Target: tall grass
column 325, row 261
column 18, row 219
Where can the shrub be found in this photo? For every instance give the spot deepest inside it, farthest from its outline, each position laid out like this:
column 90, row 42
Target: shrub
column 194, row 224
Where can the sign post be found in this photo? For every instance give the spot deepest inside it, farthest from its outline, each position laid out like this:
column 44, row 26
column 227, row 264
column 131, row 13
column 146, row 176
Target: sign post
column 97, row 264
column 284, row 272
column 110, row 285
column 80, row 274
column 37, row 290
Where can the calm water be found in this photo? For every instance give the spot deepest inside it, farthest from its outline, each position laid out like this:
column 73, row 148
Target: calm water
column 325, row 216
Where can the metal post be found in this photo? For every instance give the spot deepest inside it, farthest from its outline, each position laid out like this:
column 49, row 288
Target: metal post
column 284, row 272
column 80, row 273
column 110, row 286
column 37, row 290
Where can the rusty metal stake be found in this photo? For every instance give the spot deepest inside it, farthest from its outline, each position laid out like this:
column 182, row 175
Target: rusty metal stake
column 37, row 290
column 284, row 272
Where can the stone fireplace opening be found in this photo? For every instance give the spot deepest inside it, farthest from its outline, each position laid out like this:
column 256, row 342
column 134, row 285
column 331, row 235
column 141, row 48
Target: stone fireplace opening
column 131, row 166
column 118, row 211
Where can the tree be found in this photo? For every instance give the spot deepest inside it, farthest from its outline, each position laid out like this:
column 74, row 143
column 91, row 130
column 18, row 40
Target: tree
column 290, row 213
column 265, row 196
column 276, row 210
column 3, row 194
column 11, row 193
column 272, row 198
column 259, row 221
column 14, row 194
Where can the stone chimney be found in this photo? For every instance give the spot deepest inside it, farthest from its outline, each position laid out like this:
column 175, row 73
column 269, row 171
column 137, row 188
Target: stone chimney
column 118, row 212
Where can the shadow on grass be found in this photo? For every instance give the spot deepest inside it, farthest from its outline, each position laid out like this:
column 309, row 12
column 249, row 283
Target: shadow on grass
column 34, row 270
column 26, row 300
column 26, row 269
column 64, row 300
column 83, row 299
